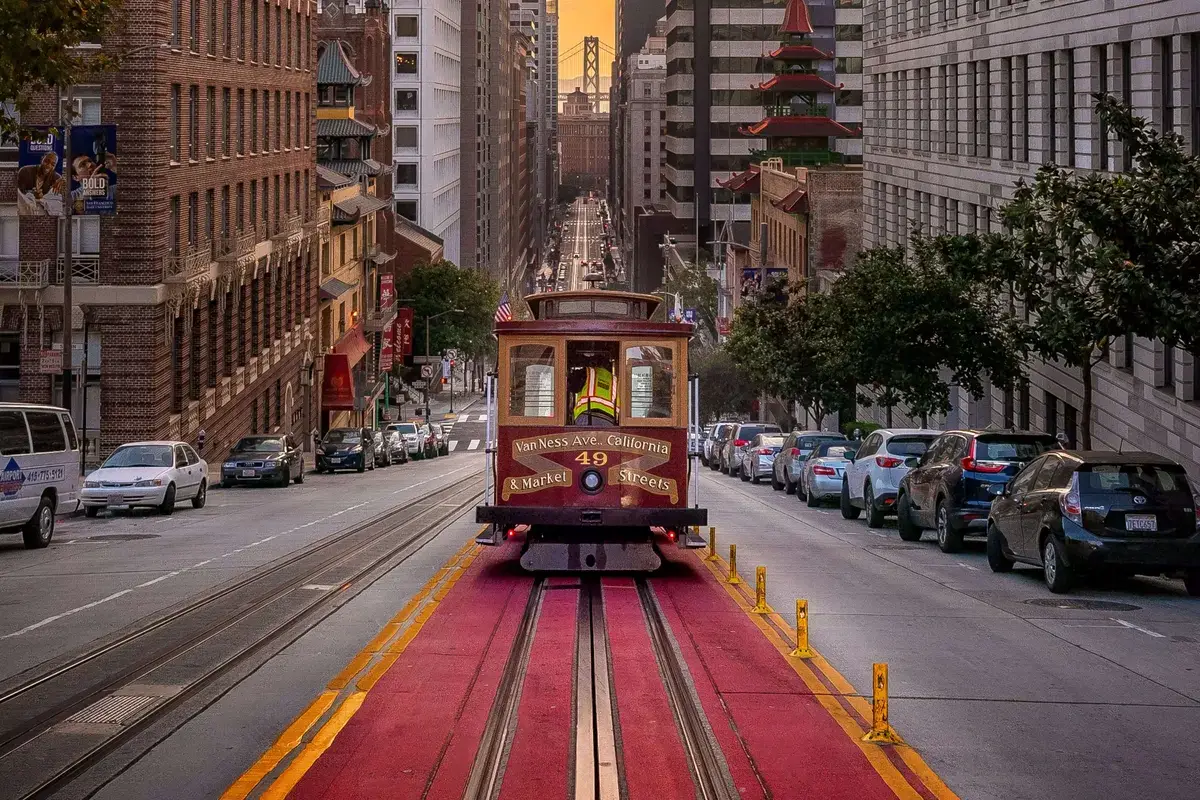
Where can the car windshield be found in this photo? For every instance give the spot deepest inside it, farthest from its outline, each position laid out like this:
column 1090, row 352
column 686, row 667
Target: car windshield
column 393, row 436
column 405, row 428
column 1013, row 448
column 909, row 445
column 253, row 444
column 1143, row 478
column 141, row 455
column 810, row 442
column 343, row 437
column 836, row 450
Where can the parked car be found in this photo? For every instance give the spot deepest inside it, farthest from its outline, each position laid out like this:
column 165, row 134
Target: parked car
column 759, row 458
column 697, row 439
column 441, row 440
column 712, row 443
column 263, row 458
column 739, row 439
column 410, row 434
column 147, row 474
column 397, row 450
column 821, row 473
column 796, row 447
column 873, row 477
column 383, row 458
column 1077, row 512
column 39, row 476
column 429, row 443
column 346, row 448
column 949, row 489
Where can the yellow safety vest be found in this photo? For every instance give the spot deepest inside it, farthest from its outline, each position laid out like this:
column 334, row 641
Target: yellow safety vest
column 598, row 395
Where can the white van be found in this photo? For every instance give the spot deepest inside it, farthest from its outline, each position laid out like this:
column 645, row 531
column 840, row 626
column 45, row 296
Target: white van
column 39, row 469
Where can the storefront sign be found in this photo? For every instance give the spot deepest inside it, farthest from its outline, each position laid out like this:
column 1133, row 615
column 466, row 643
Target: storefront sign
column 337, row 389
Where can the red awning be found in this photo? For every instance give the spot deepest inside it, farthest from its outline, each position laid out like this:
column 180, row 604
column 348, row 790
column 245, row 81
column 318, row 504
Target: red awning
column 796, row 18
column 747, row 181
column 798, row 82
column 797, row 126
column 794, row 203
column 353, row 345
column 800, row 52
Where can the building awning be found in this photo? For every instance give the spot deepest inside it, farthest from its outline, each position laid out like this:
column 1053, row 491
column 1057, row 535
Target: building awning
column 332, row 288
column 798, row 82
column 747, row 181
column 334, row 67
column 343, row 128
column 795, row 203
column 796, row 18
column 351, row 209
column 329, row 179
column 353, row 345
column 796, row 126
column 800, row 52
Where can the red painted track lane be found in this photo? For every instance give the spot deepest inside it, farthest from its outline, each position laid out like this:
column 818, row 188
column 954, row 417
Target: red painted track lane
column 655, row 765
column 539, row 763
column 421, row 724
column 797, row 748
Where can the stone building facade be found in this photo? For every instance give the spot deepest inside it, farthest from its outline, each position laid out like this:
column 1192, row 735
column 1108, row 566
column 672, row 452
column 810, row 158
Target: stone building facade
column 949, row 129
column 197, row 298
column 584, row 137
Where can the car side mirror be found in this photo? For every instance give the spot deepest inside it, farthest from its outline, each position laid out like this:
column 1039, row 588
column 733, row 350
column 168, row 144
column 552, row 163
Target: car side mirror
column 997, row 489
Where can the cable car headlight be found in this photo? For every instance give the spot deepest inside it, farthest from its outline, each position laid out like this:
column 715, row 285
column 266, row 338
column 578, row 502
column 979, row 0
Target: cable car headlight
column 591, row 481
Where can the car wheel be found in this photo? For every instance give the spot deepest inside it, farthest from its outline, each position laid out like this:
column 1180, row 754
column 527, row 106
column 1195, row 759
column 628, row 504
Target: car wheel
column 38, row 532
column 201, row 495
column 995, row 551
column 284, row 479
column 948, row 539
column 789, row 486
column 226, row 484
column 909, row 530
column 776, row 484
column 1059, row 575
column 1191, row 581
column 300, row 473
column 91, row 511
column 800, row 489
column 745, row 476
column 849, row 510
column 810, row 499
column 874, row 513
column 168, row 504
column 362, row 465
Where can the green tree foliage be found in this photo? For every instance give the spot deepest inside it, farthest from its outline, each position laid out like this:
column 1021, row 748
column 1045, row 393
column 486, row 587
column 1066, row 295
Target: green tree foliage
column 724, row 387
column 696, row 290
column 432, row 289
column 38, row 41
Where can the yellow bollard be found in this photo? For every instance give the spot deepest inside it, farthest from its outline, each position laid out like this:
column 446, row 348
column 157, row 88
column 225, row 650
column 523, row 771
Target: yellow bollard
column 712, row 545
column 760, row 591
column 733, row 579
column 881, row 730
column 802, row 650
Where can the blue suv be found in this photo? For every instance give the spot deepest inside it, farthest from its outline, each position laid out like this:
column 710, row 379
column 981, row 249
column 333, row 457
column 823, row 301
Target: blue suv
column 948, row 488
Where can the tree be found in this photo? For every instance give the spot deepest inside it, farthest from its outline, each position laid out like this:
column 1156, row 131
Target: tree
column 432, row 289
column 696, row 290
column 724, row 387
column 38, row 49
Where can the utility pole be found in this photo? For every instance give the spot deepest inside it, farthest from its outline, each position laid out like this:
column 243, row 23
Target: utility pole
column 68, row 246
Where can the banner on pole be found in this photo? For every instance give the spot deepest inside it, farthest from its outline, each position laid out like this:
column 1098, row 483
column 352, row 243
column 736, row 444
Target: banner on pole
column 93, row 172
column 387, row 349
column 404, row 332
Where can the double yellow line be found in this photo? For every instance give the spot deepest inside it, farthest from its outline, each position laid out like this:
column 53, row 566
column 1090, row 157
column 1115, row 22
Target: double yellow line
column 363, row 671
column 835, row 702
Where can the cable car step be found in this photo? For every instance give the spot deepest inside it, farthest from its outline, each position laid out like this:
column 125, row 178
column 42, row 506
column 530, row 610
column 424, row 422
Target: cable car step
column 692, row 540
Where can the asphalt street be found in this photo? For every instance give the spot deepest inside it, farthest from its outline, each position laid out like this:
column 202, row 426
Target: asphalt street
column 581, row 237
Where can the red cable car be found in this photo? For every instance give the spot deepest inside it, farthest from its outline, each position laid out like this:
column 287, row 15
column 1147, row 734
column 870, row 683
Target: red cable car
column 588, row 429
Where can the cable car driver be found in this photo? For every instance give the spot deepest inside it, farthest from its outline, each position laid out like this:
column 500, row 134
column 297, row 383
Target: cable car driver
column 595, row 391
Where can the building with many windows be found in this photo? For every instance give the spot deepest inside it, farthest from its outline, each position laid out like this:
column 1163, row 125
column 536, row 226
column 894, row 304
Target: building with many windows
column 949, row 129
column 195, row 301
column 641, row 151
column 584, row 135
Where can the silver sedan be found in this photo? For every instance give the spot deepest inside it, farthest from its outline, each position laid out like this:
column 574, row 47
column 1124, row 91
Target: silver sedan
column 821, row 474
column 758, row 458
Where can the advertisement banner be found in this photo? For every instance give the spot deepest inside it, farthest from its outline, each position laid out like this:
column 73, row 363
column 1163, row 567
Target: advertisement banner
column 404, row 332
column 387, row 292
column 751, row 278
column 337, row 388
column 93, row 172
column 387, row 349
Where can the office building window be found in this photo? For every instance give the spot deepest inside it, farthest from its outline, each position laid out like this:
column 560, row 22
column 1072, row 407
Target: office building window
column 253, row 30
column 1194, row 78
column 1100, row 54
column 266, row 140
column 404, row 137
column 1126, row 52
column 406, row 174
column 227, row 122
column 241, row 122
column 406, row 63
column 193, row 122
column 1166, row 95
column 253, row 120
column 1069, row 55
column 406, row 27
column 210, row 146
column 406, row 100
column 174, row 123
column 1051, row 120
column 407, row 209
column 1168, row 366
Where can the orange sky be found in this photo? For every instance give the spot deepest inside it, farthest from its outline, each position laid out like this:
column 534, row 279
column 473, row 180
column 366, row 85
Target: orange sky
column 580, row 18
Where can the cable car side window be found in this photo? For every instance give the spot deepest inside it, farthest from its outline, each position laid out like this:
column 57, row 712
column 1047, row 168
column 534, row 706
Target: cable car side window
column 652, row 381
column 531, row 380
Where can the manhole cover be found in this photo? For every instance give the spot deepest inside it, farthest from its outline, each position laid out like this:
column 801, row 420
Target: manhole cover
column 894, row 547
column 119, row 537
column 1078, row 604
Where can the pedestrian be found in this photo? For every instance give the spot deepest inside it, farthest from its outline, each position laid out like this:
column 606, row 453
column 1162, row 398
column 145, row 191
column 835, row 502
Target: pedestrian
column 857, row 435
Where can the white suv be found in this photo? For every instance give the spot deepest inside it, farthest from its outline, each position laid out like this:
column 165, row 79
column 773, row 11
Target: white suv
column 874, row 474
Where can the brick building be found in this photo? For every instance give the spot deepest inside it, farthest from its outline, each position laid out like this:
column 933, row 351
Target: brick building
column 197, row 299
column 584, row 139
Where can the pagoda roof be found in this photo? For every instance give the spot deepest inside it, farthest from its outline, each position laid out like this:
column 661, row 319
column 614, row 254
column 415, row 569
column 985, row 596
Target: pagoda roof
column 364, row 166
column 334, row 68
column 798, row 82
column 800, row 52
column 796, row 18
column 747, row 181
column 329, row 179
column 353, row 208
column 795, row 203
column 796, row 126
column 344, row 128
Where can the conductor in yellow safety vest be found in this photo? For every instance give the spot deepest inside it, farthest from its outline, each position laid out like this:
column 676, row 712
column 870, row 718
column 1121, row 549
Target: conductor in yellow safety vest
column 596, row 399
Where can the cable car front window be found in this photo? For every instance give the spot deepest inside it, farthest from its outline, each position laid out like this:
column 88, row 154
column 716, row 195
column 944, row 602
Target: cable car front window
column 531, row 381
column 651, row 371
column 592, row 380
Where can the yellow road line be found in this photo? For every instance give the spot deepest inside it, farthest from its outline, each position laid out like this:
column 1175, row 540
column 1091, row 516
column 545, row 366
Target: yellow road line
column 313, row 750
column 831, row 701
column 293, row 736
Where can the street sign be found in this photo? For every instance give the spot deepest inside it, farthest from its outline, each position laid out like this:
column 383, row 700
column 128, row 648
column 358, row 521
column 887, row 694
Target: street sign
column 427, row 371
column 50, row 362
column 445, row 368
column 452, row 354
column 419, row 384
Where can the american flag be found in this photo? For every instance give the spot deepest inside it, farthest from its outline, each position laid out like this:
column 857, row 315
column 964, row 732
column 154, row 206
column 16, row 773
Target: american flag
column 504, row 310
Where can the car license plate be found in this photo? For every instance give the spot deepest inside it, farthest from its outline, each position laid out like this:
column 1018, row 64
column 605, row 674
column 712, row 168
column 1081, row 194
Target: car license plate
column 1141, row 522
column 248, row 473
column 335, row 460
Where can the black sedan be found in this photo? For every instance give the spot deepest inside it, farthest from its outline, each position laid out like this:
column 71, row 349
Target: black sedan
column 347, row 448
column 1079, row 512
column 269, row 459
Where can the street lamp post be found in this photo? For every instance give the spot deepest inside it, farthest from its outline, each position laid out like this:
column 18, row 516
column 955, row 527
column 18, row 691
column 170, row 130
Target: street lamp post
column 427, row 361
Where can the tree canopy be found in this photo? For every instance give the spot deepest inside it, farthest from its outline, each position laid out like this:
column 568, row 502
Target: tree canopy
column 432, row 289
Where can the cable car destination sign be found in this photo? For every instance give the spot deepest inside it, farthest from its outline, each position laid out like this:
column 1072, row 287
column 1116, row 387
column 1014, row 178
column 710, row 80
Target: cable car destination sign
column 591, row 449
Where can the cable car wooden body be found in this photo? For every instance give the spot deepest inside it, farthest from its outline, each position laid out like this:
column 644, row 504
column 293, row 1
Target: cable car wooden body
column 591, row 489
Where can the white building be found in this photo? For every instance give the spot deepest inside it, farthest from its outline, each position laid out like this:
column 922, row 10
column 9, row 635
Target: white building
column 643, row 137
column 426, row 116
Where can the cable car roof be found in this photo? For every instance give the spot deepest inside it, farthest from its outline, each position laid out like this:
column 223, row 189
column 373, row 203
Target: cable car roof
column 595, row 304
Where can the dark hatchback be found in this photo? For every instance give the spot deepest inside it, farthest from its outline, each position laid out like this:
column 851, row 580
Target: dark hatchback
column 265, row 459
column 1080, row 512
column 949, row 489
column 347, row 448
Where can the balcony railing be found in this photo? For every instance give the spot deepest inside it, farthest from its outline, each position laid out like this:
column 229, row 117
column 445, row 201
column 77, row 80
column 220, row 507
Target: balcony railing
column 186, row 267
column 799, row 158
column 318, row 217
column 378, row 321
column 789, row 110
column 287, row 226
column 85, row 268
column 234, row 247
column 24, row 274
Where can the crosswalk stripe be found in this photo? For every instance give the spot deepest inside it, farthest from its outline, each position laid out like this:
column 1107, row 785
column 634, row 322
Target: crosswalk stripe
column 453, row 444
column 473, row 444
